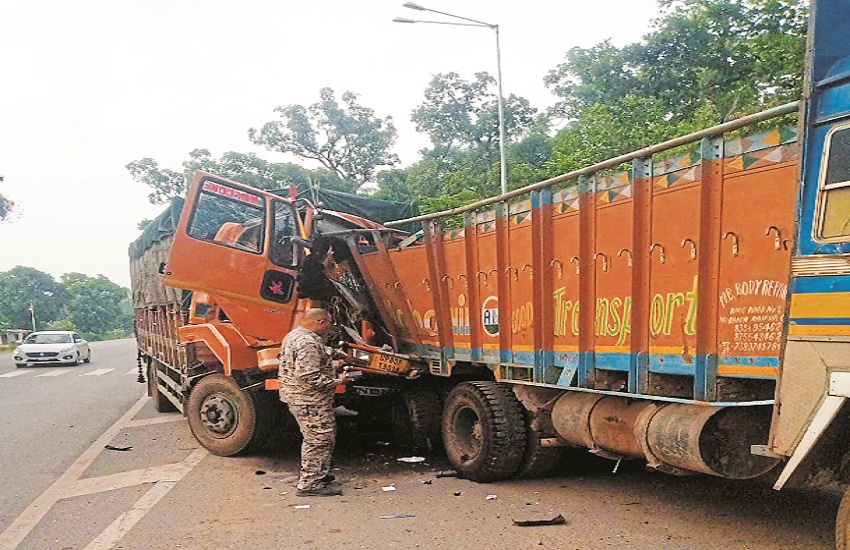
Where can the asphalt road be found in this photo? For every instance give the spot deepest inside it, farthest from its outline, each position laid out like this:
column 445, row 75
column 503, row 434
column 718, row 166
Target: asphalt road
column 60, row 490
column 50, row 415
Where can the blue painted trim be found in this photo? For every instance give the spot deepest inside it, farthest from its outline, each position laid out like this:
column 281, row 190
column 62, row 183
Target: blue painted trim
column 671, row 364
column 822, row 284
column 523, row 357
column 585, row 364
column 820, row 321
column 749, row 361
column 613, row 361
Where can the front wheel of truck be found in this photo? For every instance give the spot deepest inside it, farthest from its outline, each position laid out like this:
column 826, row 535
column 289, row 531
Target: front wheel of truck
column 225, row 419
column 484, row 431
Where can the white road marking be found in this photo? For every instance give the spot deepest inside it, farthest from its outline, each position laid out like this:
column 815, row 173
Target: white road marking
column 130, row 518
column 97, row 372
column 35, row 512
column 132, row 371
column 13, row 374
column 155, row 420
column 54, row 372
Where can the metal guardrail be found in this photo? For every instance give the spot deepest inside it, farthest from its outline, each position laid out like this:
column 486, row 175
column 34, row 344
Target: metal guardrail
column 613, row 162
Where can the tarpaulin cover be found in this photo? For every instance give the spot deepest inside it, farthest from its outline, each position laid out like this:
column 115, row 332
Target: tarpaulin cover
column 160, row 228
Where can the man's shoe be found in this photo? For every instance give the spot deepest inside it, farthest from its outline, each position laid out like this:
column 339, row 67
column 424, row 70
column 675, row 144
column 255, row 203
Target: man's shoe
column 328, row 478
column 324, row 491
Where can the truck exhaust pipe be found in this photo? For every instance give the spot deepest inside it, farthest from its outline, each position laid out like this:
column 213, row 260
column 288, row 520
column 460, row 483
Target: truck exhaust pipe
column 672, row 437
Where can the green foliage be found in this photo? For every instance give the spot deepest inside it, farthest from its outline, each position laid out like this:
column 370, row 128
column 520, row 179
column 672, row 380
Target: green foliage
column 22, row 287
column 348, row 139
column 240, row 167
column 704, row 62
column 94, row 303
column 95, row 306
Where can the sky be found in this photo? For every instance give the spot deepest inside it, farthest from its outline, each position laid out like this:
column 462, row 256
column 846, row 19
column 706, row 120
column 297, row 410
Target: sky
column 87, row 86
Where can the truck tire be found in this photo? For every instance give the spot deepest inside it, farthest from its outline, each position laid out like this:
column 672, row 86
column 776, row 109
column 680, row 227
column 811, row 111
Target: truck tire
column 160, row 402
column 842, row 523
column 484, row 431
column 224, row 418
column 416, row 420
column 538, row 461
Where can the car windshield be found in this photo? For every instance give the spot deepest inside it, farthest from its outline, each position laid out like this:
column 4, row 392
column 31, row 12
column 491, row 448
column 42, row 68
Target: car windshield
column 48, row 339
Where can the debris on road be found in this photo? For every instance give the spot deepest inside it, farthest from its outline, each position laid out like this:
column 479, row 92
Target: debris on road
column 412, row 459
column 399, row 516
column 115, row 448
column 301, row 506
column 260, row 472
column 492, row 497
column 457, row 493
column 426, row 481
column 388, row 488
column 534, row 522
column 447, row 473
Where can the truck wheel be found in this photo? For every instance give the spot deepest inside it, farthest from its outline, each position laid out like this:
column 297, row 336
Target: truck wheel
column 484, row 431
column 416, row 419
column 160, row 402
column 842, row 523
column 222, row 416
column 538, row 461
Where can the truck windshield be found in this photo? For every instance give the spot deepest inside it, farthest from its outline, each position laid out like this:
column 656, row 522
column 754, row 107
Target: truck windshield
column 229, row 216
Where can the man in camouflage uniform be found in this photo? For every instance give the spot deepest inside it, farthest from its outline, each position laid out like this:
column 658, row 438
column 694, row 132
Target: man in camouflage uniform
column 307, row 385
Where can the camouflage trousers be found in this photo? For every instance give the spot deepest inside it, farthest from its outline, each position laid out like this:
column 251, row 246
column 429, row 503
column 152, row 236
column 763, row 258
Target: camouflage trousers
column 318, row 428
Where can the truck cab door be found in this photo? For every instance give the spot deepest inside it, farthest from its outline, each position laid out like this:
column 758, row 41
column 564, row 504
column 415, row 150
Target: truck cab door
column 234, row 242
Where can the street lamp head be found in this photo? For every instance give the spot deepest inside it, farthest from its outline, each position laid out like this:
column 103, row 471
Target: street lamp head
column 413, row 6
column 403, row 20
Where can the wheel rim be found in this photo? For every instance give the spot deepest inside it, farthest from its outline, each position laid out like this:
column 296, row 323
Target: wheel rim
column 468, row 433
column 218, row 415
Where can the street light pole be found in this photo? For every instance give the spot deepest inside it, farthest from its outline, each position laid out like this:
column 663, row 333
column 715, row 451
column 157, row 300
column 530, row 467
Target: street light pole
column 503, row 169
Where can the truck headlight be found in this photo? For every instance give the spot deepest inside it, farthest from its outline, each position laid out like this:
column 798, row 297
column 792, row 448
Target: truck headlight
column 361, row 355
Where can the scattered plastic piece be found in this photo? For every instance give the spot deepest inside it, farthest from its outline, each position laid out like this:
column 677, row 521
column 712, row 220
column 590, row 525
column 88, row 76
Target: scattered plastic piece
column 533, row 522
column 492, row 497
column 382, row 443
column 458, row 493
column 260, row 472
column 426, row 481
column 412, row 459
column 301, row 506
column 388, row 488
column 114, row 448
column 399, row 516
column 447, row 473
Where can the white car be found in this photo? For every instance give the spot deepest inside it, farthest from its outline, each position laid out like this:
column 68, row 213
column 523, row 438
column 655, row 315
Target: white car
column 52, row 347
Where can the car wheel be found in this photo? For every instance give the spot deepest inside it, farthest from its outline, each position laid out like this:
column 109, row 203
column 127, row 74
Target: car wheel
column 76, row 360
column 88, row 358
column 20, row 365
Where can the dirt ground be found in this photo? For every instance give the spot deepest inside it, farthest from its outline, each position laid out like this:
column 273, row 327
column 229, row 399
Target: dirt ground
column 250, row 502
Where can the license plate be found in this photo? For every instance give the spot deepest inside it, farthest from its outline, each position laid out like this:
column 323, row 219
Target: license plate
column 389, row 363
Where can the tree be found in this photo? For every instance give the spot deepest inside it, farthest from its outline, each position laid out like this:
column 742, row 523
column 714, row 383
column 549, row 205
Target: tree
column 94, row 303
column 462, row 115
column 346, row 139
column 245, row 168
column 703, row 63
column 6, row 205
column 24, row 287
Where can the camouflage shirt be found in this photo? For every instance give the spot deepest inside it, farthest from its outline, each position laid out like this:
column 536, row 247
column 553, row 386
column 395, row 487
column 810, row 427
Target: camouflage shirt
column 306, row 374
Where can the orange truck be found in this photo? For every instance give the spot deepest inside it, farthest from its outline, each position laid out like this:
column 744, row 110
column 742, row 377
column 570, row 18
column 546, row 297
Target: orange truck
column 692, row 311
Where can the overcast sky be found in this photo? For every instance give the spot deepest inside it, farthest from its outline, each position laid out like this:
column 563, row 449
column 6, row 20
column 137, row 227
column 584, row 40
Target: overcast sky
column 87, row 86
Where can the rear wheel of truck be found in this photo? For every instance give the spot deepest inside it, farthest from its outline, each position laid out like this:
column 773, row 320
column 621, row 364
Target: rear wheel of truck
column 226, row 420
column 484, row 431
column 842, row 523
column 160, row 402
column 538, row 461
column 416, row 419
